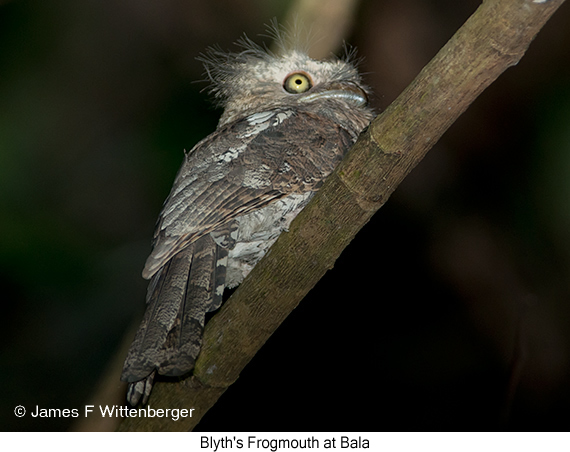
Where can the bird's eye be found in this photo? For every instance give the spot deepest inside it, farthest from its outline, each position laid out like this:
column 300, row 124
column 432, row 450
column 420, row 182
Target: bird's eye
column 297, row 83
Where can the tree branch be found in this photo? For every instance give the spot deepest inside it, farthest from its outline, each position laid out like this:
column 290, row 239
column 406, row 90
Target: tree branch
column 319, row 19
column 494, row 38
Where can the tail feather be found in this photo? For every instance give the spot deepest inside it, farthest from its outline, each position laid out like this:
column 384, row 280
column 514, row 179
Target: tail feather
column 170, row 336
column 185, row 340
column 220, row 266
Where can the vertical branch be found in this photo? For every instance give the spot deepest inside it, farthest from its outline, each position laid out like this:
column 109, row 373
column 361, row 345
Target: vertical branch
column 323, row 24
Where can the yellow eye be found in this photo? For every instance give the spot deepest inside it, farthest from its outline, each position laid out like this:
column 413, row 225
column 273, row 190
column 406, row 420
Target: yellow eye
column 297, row 83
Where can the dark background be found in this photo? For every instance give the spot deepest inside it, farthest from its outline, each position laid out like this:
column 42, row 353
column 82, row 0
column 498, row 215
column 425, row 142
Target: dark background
column 462, row 277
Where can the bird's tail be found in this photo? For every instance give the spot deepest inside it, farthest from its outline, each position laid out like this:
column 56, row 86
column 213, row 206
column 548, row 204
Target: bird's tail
column 170, row 336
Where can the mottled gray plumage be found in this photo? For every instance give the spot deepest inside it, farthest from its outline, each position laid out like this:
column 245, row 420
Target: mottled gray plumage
column 287, row 122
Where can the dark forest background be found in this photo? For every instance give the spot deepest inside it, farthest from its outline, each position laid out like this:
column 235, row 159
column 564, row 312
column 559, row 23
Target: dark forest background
column 451, row 308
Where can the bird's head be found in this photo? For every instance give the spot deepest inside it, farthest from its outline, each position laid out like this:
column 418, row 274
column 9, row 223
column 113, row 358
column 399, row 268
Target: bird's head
column 256, row 79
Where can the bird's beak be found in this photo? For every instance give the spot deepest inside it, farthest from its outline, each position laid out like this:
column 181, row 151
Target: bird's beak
column 347, row 91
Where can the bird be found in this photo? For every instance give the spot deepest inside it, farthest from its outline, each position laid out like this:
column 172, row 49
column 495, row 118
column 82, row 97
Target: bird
column 287, row 121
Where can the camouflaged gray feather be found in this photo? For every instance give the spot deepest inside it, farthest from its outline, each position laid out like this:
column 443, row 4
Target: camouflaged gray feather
column 237, row 190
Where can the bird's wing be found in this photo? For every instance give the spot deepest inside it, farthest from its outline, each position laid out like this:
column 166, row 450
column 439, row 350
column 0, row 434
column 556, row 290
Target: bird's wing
column 242, row 167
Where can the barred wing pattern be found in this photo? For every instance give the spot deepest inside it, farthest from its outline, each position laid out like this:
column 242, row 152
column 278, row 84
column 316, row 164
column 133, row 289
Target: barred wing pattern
column 243, row 167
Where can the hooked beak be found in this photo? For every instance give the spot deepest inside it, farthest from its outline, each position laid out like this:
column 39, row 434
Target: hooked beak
column 348, row 91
